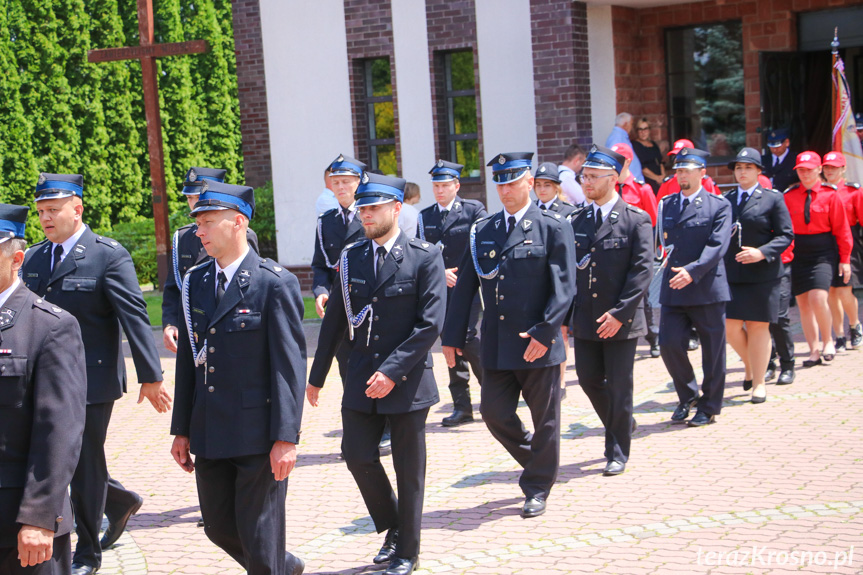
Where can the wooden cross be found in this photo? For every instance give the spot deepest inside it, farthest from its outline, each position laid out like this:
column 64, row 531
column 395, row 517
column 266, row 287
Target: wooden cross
column 147, row 52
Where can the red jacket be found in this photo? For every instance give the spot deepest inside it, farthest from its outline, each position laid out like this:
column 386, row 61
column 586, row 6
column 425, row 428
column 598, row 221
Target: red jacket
column 640, row 195
column 827, row 215
column 670, row 186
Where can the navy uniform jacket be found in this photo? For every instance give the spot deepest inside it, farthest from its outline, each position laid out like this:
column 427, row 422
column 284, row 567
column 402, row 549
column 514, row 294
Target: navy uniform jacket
column 532, row 292
column 452, row 235
column 619, row 272
column 408, row 305
column 565, row 209
column 43, row 391
column 249, row 392
column 335, row 238
column 782, row 175
column 700, row 236
column 97, row 284
column 767, row 226
column 190, row 253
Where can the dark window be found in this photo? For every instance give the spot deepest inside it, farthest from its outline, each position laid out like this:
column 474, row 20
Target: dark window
column 381, row 120
column 705, row 86
column 461, row 136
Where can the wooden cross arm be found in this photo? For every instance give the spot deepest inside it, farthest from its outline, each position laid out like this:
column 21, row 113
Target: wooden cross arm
column 151, row 51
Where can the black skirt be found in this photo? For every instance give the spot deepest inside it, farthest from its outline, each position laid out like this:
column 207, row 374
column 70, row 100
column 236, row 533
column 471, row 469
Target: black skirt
column 758, row 301
column 857, row 256
column 816, row 258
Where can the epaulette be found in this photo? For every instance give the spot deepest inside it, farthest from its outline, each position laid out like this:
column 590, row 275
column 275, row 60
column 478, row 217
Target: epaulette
column 829, row 185
column 427, row 209
column 188, row 226
column 357, row 243
column 667, row 178
column 565, row 203
column 551, row 214
column 272, row 266
column 420, row 244
column 114, row 244
column 47, row 306
column 854, row 185
column 791, row 187
column 668, row 197
column 635, row 209
column 198, row 267
column 328, row 212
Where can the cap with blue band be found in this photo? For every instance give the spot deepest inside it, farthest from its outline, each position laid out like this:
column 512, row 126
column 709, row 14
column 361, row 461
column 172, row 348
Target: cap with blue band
column 509, row 167
column 602, row 158
column 776, row 137
column 689, row 159
column 376, row 189
column 445, row 171
column 53, row 186
column 219, row 196
column 347, row 166
column 195, row 176
column 12, row 220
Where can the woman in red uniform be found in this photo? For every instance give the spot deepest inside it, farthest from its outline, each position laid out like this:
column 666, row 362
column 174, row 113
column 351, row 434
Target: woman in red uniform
column 822, row 239
column 841, row 298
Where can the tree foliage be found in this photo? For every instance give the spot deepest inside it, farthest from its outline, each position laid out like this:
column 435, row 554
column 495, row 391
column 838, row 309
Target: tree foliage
column 61, row 114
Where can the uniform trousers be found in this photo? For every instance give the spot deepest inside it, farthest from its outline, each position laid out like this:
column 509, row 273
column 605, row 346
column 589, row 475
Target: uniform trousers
column 361, row 435
column 460, row 374
column 783, row 340
column 604, row 371
column 538, row 452
column 676, row 323
column 59, row 564
column 93, row 491
column 243, row 507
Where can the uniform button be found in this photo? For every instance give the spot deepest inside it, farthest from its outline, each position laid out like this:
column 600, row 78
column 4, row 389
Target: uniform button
column 501, row 318
column 501, row 277
column 377, row 355
column 377, row 337
column 212, row 349
column 593, row 249
column 400, row 290
column 49, row 289
column 212, row 330
column 100, row 362
column 375, row 299
column 503, row 258
column 377, row 318
column 501, row 298
column 404, row 378
column 595, row 295
column 629, row 320
column 212, row 369
column 211, row 389
column 593, row 265
column 594, row 279
column 268, row 400
column 242, row 324
column 2, row 369
column 59, row 519
column 554, row 341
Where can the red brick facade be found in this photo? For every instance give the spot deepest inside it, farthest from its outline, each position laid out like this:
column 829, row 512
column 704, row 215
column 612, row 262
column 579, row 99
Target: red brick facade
column 252, row 87
column 561, row 76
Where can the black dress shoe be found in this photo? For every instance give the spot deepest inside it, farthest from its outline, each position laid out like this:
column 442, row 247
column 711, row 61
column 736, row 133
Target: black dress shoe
column 614, row 468
column 388, row 549
column 693, row 344
column 700, row 419
column 457, row 418
column 81, row 569
column 533, row 507
column 654, row 350
column 200, row 522
column 293, row 564
column 385, row 447
column 771, row 372
column 633, row 427
column 116, row 527
column 681, row 412
column 811, row 362
column 786, row 377
column 747, row 384
column 402, row 566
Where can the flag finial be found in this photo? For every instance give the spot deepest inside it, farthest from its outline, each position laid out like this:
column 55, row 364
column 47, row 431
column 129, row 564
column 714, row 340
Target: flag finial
column 835, row 42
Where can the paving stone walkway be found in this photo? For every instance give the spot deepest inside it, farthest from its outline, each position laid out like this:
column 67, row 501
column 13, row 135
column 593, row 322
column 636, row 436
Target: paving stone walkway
column 770, row 488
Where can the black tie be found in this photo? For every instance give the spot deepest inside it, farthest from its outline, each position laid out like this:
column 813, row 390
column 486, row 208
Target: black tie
column 744, row 197
column 510, row 224
column 806, row 214
column 382, row 255
column 220, row 287
column 58, row 253
column 346, row 216
column 598, row 218
column 685, row 203
column 443, row 215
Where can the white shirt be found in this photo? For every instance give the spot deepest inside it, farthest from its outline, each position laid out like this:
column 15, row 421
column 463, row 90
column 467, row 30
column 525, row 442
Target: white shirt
column 388, row 246
column 326, row 201
column 778, row 159
column 690, row 198
column 352, row 211
column 408, row 220
column 741, row 193
column 447, row 207
column 518, row 215
column 8, row 291
column 68, row 245
column 571, row 189
column 229, row 270
column 605, row 208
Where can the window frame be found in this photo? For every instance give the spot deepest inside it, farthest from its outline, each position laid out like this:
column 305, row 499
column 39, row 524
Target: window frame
column 450, row 138
column 368, row 105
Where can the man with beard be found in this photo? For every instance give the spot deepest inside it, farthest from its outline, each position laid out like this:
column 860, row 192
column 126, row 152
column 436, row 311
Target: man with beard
column 392, row 306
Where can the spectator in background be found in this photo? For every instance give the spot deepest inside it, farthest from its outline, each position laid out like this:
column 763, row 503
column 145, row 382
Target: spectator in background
column 573, row 158
column 327, row 200
column 620, row 135
column 649, row 155
column 779, row 162
column 408, row 215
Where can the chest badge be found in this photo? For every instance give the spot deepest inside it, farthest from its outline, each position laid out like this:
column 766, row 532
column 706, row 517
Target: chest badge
column 492, row 253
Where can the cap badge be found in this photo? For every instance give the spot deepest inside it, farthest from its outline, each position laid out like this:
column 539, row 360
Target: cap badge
column 744, row 153
column 593, row 149
column 192, row 176
column 365, row 178
column 805, row 157
column 440, row 163
column 830, row 156
column 501, row 159
column 341, row 158
column 542, row 169
column 772, row 134
column 41, row 179
column 204, row 186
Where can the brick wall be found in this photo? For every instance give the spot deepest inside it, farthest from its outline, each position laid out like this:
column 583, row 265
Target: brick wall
column 561, row 76
column 369, row 28
column 252, row 87
column 451, row 26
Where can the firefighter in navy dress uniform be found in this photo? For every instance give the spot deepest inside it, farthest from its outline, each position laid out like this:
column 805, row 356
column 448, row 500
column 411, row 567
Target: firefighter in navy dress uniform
column 614, row 259
column 447, row 224
column 779, row 162
column 695, row 232
column 93, row 278
column 42, row 404
column 520, row 258
column 391, row 307
column 186, row 252
column 241, row 369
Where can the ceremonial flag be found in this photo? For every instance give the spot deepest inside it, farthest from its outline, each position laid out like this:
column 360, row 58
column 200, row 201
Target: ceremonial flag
column 845, row 137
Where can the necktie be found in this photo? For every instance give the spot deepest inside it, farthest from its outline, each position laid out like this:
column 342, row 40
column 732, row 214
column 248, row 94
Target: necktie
column 775, row 161
column 598, row 218
column 220, row 287
column 510, row 224
column 744, row 197
column 443, row 215
column 685, row 203
column 806, row 213
column 58, row 253
column 346, row 212
column 382, row 255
